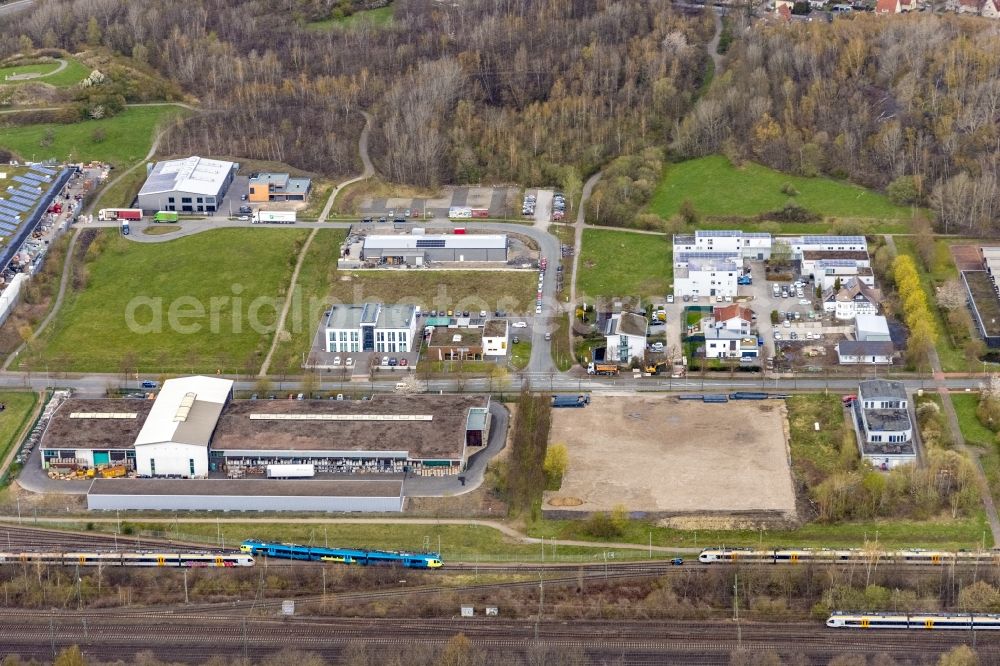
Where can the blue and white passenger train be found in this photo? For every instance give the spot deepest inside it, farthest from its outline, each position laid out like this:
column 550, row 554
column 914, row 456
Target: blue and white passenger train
column 293, row 551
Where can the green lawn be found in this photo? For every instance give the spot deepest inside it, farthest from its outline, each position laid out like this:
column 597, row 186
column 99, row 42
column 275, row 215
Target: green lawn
column 952, row 358
column 520, row 353
column 313, row 286
column 92, row 332
column 621, row 263
column 891, row 533
column 18, row 406
column 715, row 187
column 128, row 137
column 973, row 431
column 74, row 72
column 815, row 454
column 380, row 17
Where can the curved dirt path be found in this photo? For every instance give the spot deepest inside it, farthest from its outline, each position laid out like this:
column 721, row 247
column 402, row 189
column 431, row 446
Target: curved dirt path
column 367, row 172
column 713, row 45
column 503, row 528
column 34, row 77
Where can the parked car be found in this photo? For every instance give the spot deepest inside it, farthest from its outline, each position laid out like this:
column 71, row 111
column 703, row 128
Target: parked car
column 403, row 362
column 393, row 362
column 548, row 336
column 336, row 361
column 777, row 335
column 149, row 384
column 484, row 314
column 385, row 360
column 670, row 298
column 350, row 362
column 538, row 309
column 519, row 324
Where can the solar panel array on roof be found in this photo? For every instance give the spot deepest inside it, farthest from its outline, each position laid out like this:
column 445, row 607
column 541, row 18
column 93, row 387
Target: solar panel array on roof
column 24, row 201
column 834, row 263
column 27, row 191
column 28, row 180
column 718, row 233
column 821, row 240
column 41, row 169
column 6, row 217
column 20, row 208
column 9, row 228
column 5, row 207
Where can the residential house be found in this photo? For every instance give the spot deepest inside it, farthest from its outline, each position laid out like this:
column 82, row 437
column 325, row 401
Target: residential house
column 733, row 317
column 495, row 334
column 860, row 352
column 888, row 7
column 626, row 337
column 985, row 8
column 726, row 343
column 854, row 298
column 883, row 425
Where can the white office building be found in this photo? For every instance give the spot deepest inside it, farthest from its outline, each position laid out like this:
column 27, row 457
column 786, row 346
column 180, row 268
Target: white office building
column 371, row 327
column 883, row 425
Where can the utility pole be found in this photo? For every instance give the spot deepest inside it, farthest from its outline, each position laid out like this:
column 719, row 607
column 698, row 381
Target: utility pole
column 736, row 610
column 186, row 587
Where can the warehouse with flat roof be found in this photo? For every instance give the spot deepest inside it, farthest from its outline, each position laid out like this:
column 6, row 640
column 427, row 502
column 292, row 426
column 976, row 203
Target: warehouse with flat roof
column 419, row 249
column 190, row 185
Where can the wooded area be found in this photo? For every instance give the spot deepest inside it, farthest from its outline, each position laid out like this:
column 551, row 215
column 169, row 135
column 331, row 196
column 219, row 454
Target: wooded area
column 911, row 105
column 479, row 90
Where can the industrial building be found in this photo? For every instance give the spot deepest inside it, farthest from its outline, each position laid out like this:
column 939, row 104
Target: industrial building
column 418, row 249
column 189, row 185
column 382, row 496
column 193, row 430
column 264, row 187
column 370, row 327
column 882, row 423
column 454, row 344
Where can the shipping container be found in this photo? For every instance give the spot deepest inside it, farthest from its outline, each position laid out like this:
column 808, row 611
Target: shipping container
column 290, row 471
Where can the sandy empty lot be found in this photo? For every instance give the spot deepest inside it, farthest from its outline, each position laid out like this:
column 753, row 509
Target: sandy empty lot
column 666, row 456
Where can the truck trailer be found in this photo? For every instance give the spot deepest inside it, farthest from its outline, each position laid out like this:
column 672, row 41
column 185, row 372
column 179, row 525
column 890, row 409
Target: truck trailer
column 166, row 216
column 274, row 217
column 112, row 214
column 291, row 471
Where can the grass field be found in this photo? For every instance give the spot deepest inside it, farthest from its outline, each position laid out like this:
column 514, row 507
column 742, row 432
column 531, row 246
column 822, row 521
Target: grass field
column 128, row 137
column 18, row 406
column 91, row 331
column 520, row 353
column 815, row 454
column 715, row 187
column 380, row 17
column 439, row 290
column 313, row 288
column 973, row 431
column 74, row 72
column 891, row 533
column 952, row 358
column 122, row 193
column 621, row 263
column 317, row 200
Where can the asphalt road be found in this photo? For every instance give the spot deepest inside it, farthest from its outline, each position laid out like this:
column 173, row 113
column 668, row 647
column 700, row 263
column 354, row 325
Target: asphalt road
column 17, row 6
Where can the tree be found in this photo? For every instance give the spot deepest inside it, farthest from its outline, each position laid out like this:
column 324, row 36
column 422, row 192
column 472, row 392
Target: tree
column 903, row 191
column 781, row 253
column 556, row 462
column 458, row 651
column 262, row 386
column 93, row 32
column 71, row 656
column 979, row 597
column 951, row 295
column 960, row 655
column 310, row 384
column 688, row 213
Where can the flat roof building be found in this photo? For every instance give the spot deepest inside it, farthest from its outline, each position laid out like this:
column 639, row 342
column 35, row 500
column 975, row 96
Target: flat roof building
column 883, row 425
column 420, row 249
column 193, row 184
column 264, row 187
column 370, row 327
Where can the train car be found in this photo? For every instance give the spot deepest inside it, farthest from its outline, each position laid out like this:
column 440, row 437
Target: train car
column 132, row 559
column 925, row 621
column 293, row 551
column 801, row 555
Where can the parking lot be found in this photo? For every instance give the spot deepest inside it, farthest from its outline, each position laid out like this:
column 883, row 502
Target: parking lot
column 501, row 202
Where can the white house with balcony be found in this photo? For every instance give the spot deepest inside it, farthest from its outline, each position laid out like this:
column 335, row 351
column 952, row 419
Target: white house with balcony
column 883, row 424
column 625, row 336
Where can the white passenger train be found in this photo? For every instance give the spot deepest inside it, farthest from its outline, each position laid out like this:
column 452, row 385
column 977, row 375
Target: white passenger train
column 833, row 556
column 932, row 621
column 133, row 559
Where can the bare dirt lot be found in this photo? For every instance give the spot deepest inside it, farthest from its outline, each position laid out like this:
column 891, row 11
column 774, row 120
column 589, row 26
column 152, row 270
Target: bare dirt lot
column 666, row 457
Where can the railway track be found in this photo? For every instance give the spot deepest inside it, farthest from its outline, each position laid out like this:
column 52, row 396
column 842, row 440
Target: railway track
column 15, row 538
column 34, row 634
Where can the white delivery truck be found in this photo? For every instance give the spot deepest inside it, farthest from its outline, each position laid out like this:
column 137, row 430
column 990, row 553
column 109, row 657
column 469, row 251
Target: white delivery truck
column 273, row 217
